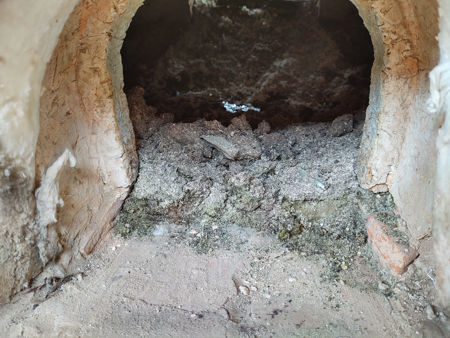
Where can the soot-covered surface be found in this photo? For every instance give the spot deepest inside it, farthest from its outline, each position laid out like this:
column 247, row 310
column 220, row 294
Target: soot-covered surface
column 280, row 58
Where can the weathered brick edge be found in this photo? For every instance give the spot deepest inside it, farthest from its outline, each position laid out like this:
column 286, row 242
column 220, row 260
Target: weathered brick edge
column 392, row 254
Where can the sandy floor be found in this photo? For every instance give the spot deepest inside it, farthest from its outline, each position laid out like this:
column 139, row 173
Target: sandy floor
column 159, row 288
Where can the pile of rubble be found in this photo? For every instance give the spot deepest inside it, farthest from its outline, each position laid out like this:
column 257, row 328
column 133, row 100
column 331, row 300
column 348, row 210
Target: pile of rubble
column 298, row 183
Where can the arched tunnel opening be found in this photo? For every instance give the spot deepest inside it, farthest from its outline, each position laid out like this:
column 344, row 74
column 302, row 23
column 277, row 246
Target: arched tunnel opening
column 283, row 62
column 250, row 114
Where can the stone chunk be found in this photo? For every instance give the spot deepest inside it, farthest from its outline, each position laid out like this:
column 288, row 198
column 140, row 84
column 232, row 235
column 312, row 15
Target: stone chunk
column 392, row 254
column 241, row 123
column 263, row 128
column 220, row 143
column 249, row 147
column 342, row 125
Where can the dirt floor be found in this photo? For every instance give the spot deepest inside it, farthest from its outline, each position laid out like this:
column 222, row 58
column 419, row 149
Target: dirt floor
column 160, row 287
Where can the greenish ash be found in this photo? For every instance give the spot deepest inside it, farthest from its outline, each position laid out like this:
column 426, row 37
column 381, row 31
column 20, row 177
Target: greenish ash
column 136, row 218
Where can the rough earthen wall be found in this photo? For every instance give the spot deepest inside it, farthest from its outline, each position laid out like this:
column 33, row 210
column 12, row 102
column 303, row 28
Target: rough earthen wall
column 78, row 105
column 440, row 105
column 397, row 150
column 28, row 35
column 83, row 108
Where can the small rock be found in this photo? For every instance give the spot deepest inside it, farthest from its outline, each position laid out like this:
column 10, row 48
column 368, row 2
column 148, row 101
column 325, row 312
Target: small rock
column 241, row 123
column 220, row 143
column 244, row 290
column 263, row 128
column 430, row 312
column 207, row 152
column 79, row 276
column 342, row 125
column 382, row 286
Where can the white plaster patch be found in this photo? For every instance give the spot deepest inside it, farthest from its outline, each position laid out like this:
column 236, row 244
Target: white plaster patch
column 47, row 195
column 439, row 87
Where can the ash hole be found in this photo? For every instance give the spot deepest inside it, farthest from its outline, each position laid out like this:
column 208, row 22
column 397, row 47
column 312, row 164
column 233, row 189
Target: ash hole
column 285, row 62
column 232, row 111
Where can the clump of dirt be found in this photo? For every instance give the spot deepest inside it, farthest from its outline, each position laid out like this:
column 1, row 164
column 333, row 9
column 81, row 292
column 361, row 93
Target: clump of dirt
column 298, row 183
column 278, row 61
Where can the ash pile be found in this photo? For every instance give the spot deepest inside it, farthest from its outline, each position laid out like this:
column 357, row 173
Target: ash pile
column 200, row 180
column 233, row 118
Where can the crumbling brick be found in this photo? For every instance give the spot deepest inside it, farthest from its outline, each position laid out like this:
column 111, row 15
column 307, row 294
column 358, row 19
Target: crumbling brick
column 395, row 256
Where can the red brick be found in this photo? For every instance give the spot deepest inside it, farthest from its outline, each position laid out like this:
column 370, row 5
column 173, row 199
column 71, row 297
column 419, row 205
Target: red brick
column 392, row 254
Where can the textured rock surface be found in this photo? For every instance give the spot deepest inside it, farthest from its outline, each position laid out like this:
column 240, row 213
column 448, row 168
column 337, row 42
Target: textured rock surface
column 89, row 116
column 342, row 125
column 394, row 154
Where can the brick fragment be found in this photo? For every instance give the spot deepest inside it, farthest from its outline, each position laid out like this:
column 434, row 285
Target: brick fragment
column 392, row 254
